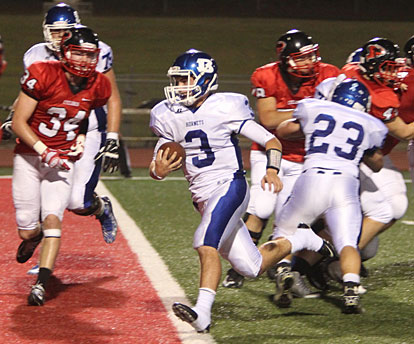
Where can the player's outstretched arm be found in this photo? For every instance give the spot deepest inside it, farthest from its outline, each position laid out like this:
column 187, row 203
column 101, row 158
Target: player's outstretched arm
column 268, row 115
column 290, row 130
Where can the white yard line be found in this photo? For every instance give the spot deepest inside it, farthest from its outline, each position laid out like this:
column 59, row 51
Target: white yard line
column 166, row 286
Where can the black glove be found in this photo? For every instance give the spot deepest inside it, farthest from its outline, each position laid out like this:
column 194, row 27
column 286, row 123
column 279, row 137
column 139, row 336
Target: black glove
column 6, row 127
column 110, row 155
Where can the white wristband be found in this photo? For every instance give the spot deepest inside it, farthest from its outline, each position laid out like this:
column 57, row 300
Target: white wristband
column 112, row 135
column 39, row 147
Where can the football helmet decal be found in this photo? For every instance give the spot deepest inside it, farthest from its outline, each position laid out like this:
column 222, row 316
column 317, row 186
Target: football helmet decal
column 79, row 51
column 353, row 94
column 59, row 18
column 298, row 54
column 380, row 61
column 192, row 75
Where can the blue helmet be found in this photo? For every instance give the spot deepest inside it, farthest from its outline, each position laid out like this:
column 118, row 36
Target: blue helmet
column 353, row 94
column 355, row 56
column 59, row 17
column 194, row 65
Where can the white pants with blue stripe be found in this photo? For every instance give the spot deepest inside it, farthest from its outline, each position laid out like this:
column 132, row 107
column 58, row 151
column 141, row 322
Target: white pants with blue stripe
column 222, row 227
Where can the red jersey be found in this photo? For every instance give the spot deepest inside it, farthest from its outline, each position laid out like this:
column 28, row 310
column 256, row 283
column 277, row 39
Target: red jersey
column 59, row 111
column 384, row 101
column 406, row 109
column 267, row 81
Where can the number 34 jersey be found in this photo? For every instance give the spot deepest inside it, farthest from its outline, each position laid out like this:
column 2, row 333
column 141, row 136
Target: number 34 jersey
column 59, row 111
column 337, row 136
column 208, row 136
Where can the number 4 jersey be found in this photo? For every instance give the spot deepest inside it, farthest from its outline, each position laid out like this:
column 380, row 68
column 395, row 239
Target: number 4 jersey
column 337, row 136
column 59, row 110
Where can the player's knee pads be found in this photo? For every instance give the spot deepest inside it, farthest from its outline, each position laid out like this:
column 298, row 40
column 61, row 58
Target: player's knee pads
column 52, row 233
column 399, row 204
column 370, row 250
column 25, row 220
column 96, row 203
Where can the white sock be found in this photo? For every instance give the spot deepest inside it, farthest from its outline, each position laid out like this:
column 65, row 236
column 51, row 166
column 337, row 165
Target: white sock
column 203, row 307
column 305, row 238
column 350, row 277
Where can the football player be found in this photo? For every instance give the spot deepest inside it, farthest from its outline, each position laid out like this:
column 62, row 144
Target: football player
column 383, row 194
column 338, row 137
column 56, row 97
column 206, row 124
column 101, row 144
column 278, row 87
column 407, row 98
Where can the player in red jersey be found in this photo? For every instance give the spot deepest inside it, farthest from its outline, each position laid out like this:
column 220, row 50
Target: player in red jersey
column 379, row 69
column 278, row 87
column 55, row 101
column 407, row 98
column 383, row 194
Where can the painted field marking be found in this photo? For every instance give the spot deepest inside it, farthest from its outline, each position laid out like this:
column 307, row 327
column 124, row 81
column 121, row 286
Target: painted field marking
column 166, row 286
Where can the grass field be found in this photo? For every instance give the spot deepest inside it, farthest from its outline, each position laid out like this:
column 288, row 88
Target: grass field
column 164, row 212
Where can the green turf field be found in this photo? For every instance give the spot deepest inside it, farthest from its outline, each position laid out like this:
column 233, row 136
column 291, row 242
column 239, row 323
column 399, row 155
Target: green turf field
column 164, row 212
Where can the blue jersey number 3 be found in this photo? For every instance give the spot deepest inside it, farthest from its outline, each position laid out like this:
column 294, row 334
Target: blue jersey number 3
column 204, row 147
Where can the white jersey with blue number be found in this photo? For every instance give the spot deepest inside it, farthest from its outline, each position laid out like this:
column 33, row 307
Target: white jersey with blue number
column 337, row 136
column 40, row 52
column 208, row 136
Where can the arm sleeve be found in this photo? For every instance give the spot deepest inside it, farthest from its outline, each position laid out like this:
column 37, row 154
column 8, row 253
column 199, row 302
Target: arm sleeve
column 256, row 133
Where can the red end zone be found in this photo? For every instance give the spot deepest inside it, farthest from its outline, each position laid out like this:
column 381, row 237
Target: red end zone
column 98, row 294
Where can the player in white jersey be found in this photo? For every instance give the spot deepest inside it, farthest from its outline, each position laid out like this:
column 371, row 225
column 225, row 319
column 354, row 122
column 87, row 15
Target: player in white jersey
column 206, row 125
column 338, row 136
column 101, row 144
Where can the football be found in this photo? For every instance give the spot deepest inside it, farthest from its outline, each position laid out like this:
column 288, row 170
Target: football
column 174, row 147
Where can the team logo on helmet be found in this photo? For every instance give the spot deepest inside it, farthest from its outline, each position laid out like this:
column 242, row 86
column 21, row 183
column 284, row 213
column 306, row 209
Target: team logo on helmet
column 374, row 51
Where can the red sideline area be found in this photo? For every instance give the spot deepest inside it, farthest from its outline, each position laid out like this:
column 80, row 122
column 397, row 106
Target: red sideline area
column 141, row 157
column 98, row 294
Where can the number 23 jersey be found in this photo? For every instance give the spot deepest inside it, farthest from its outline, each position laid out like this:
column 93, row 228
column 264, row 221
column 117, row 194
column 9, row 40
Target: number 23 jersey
column 59, row 111
column 208, row 136
column 337, row 136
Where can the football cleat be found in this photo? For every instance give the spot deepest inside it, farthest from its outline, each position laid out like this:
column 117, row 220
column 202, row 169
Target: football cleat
column 188, row 315
column 27, row 247
column 33, row 270
column 37, row 295
column 284, row 283
column 233, row 279
column 271, row 272
column 300, row 289
column 351, row 299
column 327, row 250
column 108, row 221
